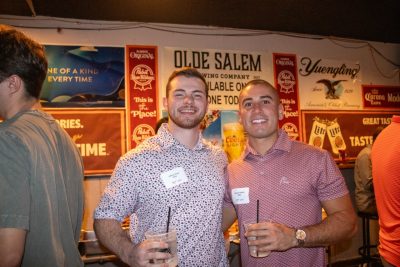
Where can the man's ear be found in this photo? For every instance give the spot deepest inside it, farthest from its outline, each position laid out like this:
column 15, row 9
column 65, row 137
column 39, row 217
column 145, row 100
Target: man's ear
column 281, row 111
column 165, row 103
column 14, row 84
column 240, row 115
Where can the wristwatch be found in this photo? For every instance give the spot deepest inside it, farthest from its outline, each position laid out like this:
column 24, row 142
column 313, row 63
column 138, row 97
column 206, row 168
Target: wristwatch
column 300, row 237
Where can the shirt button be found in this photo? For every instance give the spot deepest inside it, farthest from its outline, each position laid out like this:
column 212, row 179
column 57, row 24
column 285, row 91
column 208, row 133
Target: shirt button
column 262, row 173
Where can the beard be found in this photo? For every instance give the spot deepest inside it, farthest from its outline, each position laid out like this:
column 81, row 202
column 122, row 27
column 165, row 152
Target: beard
column 187, row 122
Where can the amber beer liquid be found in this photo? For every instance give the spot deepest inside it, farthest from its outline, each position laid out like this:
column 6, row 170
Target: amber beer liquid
column 234, row 140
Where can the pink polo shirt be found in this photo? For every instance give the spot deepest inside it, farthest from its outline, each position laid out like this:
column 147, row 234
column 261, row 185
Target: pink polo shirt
column 289, row 181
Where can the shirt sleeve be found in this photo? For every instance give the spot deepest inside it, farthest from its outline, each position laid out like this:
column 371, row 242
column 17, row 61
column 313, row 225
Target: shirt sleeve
column 365, row 171
column 14, row 183
column 331, row 183
column 119, row 198
column 227, row 196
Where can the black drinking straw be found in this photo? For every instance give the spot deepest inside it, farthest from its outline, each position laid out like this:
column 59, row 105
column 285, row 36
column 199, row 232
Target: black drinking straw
column 169, row 215
column 258, row 214
column 258, row 210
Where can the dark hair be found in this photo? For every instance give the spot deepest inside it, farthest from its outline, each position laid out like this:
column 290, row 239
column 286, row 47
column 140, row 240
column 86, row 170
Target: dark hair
column 160, row 122
column 20, row 55
column 187, row 72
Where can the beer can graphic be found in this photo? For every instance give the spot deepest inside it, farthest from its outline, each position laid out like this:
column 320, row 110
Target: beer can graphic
column 335, row 136
column 318, row 131
column 233, row 140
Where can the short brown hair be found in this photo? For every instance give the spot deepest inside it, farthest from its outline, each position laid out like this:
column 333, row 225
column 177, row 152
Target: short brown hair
column 187, row 72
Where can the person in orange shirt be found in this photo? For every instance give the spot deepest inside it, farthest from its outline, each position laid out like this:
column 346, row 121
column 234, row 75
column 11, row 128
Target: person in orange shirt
column 385, row 158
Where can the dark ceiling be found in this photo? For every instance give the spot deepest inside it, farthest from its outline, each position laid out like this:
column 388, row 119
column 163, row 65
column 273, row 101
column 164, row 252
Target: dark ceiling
column 370, row 20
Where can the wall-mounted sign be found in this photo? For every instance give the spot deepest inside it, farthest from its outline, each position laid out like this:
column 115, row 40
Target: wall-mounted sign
column 286, row 82
column 225, row 71
column 381, row 97
column 142, row 91
column 329, row 84
column 349, row 131
column 98, row 133
column 84, row 76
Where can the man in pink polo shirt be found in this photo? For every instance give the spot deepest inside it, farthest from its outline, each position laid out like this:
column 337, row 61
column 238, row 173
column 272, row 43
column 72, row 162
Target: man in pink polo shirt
column 285, row 184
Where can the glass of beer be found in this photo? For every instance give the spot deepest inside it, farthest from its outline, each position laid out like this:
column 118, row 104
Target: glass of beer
column 234, row 140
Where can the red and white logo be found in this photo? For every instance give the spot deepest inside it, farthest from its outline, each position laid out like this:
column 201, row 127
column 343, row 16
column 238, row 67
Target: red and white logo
column 286, row 81
column 142, row 132
column 142, row 76
column 291, row 130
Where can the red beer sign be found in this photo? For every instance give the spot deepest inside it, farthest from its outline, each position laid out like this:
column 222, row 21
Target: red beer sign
column 141, row 78
column 381, row 97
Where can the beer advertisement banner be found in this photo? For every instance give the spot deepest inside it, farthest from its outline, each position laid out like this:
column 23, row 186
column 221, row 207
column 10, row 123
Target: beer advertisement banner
column 222, row 128
column 84, row 76
column 233, row 135
column 381, row 97
column 226, row 71
column 286, row 82
column 141, row 94
column 98, row 133
column 329, row 84
column 343, row 131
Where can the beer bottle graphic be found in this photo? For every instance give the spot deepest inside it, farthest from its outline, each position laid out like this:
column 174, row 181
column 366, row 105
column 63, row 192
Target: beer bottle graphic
column 318, row 131
column 335, row 136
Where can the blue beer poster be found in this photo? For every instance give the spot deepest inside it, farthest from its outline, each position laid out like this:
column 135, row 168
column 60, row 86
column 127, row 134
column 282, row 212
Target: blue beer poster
column 84, row 76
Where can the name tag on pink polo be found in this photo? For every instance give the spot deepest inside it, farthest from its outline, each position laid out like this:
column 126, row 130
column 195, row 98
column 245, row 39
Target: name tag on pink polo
column 240, row 195
column 174, row 177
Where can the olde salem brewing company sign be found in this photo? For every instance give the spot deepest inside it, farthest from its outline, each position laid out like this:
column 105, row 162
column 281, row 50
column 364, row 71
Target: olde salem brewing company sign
column 226, row 71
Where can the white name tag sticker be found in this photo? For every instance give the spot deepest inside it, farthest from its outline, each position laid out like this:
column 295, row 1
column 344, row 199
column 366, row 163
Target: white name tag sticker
column 240, row 195
column 174, row 177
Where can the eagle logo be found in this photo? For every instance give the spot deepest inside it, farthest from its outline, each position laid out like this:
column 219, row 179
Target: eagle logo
column 332, row 87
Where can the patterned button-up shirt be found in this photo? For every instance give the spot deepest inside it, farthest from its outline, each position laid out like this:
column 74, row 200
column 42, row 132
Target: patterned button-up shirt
column 136, row 189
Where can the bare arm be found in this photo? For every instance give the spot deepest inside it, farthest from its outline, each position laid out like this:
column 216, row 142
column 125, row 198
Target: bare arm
column 12, row 244
column 228, row 218
column 112, row 236
column 339, row 225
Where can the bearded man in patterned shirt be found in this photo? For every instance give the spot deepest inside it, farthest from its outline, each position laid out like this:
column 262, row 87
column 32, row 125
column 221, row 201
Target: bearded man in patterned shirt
column 285, row 184
column 142, row 188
